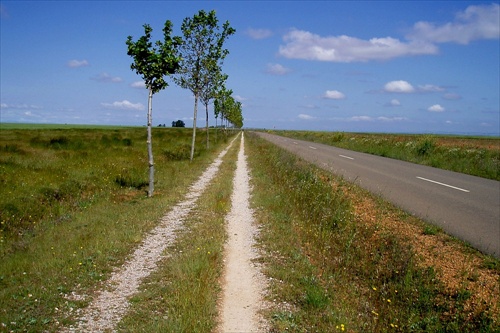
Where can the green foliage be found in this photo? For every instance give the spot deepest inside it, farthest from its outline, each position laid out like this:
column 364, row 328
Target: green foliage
column 154, row 62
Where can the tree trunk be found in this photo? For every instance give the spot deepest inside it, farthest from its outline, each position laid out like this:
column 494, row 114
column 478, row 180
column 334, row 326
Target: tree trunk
column 150, row 146
column 216, row 129
column 194, row 125
column 208, row 140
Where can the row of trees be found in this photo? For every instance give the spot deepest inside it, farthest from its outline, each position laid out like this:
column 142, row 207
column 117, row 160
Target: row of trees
column 194, row 61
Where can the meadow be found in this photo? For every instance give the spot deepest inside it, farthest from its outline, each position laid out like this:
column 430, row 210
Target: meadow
column 73, row 205
column 477, row 156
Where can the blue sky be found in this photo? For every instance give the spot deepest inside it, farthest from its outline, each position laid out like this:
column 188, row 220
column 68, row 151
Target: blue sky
column 355, row 66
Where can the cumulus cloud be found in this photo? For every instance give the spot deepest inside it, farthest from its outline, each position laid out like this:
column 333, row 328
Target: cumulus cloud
column 475, row 23
column 77, row 63
column 138, row 85
column 436, row 108
column 106, row 78
column 124, row 105
column 305, row 116
column 277, row 69
column 333, row 94
column 258, row 33
column 399, row 86
column 301, row 44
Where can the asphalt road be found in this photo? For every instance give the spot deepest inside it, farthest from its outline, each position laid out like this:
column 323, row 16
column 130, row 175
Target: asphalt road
column 464, row 206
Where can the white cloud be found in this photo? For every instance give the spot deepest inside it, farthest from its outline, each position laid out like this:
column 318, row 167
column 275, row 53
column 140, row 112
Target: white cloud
column 394, row 102
column 277, row 69
column 20, row 106
column 239, row 98
column 138, row 85
column 476, row 22
column 301, row 44
column 452, row 96
column 435, row 108
column 333, row 94
column 305, row 116
column 258, row 33
column 361, row 118
column 77, row 63
column 391, row 119
column 430, row 88
column 399, row 87
column 106, row 78
column 123, row 105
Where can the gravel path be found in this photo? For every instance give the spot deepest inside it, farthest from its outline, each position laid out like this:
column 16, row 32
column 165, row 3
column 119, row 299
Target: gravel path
column 243, row 283
column 111, row 303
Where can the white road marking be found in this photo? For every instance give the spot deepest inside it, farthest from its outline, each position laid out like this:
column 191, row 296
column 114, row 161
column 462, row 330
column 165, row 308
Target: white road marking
column 435, row 182
column 350, row 158
column 295, row 143
column 312, row 147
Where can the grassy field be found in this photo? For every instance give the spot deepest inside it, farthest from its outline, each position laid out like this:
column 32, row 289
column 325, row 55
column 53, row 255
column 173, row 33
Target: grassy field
column 477, row 156
column 73, row 205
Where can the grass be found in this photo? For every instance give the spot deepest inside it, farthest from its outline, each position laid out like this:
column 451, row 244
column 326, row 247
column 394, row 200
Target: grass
column 336, row 258
column 332, row 271
column 477, row 156
column 72, row 206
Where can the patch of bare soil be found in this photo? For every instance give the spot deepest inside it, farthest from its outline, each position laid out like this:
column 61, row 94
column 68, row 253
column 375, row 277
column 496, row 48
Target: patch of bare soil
column 458, row 268
column 243, row 284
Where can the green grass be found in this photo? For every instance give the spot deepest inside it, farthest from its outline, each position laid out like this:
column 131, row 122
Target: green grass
column 72, row 206
column 477, row 156
column 330, row 272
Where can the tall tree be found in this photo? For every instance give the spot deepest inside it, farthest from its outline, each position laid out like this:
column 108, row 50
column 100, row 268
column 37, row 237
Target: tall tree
column 212, row 83
column 153, row 63
column 202, row 55
column 219, row 104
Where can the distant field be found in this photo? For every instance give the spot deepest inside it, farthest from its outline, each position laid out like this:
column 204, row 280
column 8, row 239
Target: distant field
column 477, row 156
column 8, row 126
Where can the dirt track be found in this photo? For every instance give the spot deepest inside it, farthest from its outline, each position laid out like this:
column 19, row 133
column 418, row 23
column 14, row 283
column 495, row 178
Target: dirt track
column 242, row 285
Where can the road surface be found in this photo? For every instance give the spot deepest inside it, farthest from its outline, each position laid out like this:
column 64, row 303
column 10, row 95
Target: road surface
column 464, row 206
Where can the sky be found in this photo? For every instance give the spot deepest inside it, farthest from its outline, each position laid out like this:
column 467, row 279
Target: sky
column 352, row 66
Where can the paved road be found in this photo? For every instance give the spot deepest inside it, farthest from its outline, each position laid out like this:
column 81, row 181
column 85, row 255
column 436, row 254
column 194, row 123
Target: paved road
column 466, row 207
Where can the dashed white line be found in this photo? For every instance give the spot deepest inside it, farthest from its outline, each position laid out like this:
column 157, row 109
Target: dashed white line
column 349, row 158
column 443, row 184
column 312, row 147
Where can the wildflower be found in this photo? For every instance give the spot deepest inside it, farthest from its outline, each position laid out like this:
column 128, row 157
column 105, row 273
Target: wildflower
column 376, row 314
column 388, row 301
column 374, row 288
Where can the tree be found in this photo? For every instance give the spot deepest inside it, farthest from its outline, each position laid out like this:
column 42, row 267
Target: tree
column 153, row 63
column 178, row 123
column 202, row 56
